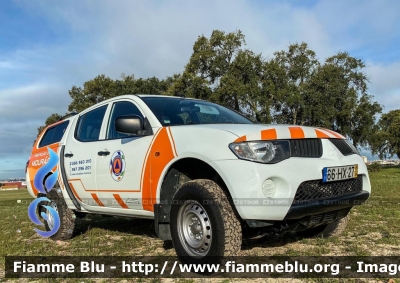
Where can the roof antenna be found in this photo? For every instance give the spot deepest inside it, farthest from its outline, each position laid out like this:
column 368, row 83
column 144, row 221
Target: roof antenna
column 180, row 95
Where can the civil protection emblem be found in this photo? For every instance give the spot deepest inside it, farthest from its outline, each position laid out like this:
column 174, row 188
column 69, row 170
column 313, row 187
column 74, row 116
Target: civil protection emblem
column 117, row 165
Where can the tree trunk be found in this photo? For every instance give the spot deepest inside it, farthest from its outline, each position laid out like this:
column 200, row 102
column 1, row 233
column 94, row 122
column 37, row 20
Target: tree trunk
column 294, row 117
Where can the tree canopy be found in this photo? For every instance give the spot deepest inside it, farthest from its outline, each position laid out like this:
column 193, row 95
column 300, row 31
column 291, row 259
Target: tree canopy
column 386, row 140
column 292, row 87
column 50, row 120
column 102, row 88
column 223, row 71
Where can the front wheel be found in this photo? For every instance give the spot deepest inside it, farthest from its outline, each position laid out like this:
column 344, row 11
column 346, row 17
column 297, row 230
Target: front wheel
column 204, row 227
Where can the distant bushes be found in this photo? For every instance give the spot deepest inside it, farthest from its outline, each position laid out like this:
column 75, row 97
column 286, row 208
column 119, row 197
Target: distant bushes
column 374, row 167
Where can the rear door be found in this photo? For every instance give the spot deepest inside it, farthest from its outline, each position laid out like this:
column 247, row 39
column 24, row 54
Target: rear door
column 120, row 162
column 80, row 156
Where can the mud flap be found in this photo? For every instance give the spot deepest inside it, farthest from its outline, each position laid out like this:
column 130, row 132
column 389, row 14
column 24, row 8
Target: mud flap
column 161, row 226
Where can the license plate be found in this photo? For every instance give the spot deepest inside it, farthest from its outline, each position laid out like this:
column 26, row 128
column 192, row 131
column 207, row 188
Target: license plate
column 330, row 174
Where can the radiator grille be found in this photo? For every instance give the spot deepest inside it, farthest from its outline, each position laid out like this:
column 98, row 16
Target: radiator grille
column 316, row 190
column 306, row 148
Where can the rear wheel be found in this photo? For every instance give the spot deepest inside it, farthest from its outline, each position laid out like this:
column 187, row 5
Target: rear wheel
column 67, row 216
column 204, row 227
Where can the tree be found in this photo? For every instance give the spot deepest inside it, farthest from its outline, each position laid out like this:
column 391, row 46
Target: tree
column 386, row 140
column 339, row 98
column 102, row 88
column 94, row 91
column 332, row 95
column 222, row 70
column 211, row 60
column 293, row 87
column 298, row 66
column 50, row 120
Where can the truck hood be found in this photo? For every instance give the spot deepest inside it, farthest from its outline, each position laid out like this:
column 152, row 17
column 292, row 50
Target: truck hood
column 251, row 132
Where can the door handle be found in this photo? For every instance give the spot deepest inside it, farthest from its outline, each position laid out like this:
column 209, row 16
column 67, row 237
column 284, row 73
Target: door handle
column 68, row 155
column 103, row 153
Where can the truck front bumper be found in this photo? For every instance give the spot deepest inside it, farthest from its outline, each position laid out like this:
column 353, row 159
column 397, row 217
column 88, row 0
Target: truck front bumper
column 319, row 207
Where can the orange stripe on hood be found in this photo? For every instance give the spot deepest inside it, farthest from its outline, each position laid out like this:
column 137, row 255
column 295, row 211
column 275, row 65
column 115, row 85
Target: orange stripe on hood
column 269, row 134
column 321, row 135
column 339, row 136
column 296, row 133
column 154, row 166
column 241, row 139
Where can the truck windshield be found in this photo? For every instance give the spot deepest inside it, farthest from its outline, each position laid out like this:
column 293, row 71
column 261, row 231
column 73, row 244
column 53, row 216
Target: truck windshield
column 182, row 111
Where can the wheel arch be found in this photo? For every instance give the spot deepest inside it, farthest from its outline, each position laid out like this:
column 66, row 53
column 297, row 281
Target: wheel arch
column 178, row 173
column 192, row 168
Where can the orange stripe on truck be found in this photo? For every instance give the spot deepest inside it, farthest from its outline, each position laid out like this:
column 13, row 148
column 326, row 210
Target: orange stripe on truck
column 74, row 191
column 241, row 139
column 120, row 201
column 296, row 133
column 172, row 141
column 321, row 135
column 161, row 152
column 39, row 154
column 269, row 134
column 339, row 136
column 97, row 200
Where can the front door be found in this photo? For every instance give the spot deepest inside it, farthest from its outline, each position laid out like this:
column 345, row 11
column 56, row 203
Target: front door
column 119, row 163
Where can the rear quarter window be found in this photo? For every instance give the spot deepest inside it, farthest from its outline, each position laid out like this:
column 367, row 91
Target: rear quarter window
column 53, row 134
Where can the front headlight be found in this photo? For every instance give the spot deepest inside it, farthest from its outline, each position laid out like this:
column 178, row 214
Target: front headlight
column 262, row 151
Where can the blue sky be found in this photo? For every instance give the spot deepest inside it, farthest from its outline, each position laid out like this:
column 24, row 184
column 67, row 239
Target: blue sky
column 46, row 47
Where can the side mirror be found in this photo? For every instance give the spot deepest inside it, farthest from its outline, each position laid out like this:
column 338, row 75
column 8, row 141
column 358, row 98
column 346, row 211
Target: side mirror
column 128, row 124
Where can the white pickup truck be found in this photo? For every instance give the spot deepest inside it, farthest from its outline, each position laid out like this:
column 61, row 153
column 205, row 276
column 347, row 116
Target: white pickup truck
column 204, row 173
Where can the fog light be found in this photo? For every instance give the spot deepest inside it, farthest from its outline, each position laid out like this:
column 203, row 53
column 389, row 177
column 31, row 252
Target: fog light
column 268, row 188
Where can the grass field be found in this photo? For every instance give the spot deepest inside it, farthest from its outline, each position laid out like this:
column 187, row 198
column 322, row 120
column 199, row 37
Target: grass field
column 374, row 229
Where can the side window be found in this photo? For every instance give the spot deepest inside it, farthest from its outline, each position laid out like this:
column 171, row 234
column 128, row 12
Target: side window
column 89, row 125
column 53, row 134
column 122, row 108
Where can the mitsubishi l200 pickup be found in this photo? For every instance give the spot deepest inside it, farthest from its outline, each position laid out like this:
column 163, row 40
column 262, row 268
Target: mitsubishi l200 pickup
column 204, row 173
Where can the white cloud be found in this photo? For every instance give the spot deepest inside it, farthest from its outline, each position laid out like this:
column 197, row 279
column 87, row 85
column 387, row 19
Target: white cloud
column 385, row 84
column 155, row 38
column 359, row 24
column 30, row 105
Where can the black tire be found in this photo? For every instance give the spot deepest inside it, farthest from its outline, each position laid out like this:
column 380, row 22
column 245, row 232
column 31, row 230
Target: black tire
column 67, row 216
column 329, row 230
column 202, row 203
